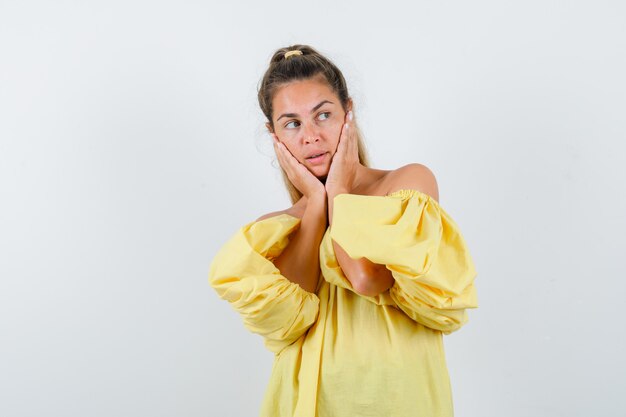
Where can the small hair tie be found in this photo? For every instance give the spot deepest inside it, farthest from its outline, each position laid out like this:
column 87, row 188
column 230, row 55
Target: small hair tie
column 292, row 53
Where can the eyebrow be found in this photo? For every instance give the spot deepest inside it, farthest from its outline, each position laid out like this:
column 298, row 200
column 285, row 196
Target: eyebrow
column 312, row 110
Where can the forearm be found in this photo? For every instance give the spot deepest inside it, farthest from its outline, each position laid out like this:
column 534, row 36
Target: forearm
column 299, row 262
column 366, row 277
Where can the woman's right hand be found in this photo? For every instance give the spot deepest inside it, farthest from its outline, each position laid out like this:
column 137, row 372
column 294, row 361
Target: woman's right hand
column 303, row 179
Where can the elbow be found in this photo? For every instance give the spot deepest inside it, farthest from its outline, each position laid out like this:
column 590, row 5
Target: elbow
column 374, row 281
column 364, row 285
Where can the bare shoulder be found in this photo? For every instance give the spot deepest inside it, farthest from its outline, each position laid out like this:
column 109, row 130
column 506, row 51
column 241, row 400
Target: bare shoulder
column 414, row 177
column 272, row 214
column 297, row 210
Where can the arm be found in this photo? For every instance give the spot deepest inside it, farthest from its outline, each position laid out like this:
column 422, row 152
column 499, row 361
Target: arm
column 299, row 262
column 243, row 273
column 421, row 245
column 366, row 277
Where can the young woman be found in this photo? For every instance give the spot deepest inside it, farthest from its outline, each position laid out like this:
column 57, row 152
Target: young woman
column 353, row 286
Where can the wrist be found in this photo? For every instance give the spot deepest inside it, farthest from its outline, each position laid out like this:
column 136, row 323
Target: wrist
column 316, row 204
column 317, row 200
column 333, row 191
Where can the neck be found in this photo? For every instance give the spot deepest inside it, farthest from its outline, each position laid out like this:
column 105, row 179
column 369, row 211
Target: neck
column 360, row 179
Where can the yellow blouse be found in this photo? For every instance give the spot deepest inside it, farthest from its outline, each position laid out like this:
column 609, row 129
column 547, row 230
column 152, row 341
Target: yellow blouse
column 338, row 353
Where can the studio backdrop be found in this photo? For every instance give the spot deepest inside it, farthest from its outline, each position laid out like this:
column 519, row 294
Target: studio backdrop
column 132, row 146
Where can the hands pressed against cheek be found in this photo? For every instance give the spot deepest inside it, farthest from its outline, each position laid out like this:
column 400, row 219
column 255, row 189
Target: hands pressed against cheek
column 308, row 184
column 342, row 173
column 340, row 179
column 362, row 273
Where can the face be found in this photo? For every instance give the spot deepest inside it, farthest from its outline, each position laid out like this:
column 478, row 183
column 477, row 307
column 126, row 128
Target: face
column 308, row 118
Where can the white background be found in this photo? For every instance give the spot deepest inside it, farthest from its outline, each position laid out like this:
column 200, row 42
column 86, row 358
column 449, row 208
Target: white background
column 132, row 147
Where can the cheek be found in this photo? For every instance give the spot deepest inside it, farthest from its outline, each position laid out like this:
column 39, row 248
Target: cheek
column 285, row 134
column 293, row 149
column 333, row 132
column 288, row 138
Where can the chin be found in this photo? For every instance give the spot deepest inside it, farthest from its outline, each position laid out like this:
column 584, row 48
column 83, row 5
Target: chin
column 319, row 172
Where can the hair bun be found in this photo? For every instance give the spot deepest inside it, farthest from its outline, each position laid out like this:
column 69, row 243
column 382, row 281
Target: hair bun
column 292, row 53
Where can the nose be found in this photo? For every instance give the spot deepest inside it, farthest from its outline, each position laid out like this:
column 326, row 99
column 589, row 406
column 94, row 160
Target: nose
column 310, row 133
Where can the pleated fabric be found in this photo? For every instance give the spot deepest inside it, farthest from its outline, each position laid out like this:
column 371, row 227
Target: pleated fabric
column 339, row 353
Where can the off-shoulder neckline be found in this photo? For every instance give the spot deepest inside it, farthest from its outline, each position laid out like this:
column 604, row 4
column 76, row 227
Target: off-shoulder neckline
column 402, row 193
column 406, row 192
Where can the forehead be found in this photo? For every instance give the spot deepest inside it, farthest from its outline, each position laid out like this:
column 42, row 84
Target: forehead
column 302, row 95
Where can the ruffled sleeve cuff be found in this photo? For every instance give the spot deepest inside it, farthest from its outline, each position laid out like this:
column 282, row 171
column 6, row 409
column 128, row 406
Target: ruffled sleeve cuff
column 242, row 273
column 420, row 244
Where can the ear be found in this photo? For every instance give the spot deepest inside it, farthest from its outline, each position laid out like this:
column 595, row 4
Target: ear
column 349, row 105
column 269, row 127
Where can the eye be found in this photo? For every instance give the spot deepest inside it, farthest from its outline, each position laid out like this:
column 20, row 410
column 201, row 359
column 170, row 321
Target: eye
column 325, row 115
column 291, row 122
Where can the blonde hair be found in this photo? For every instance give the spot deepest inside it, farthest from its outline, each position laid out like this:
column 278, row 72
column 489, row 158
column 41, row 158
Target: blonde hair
column 296, row 67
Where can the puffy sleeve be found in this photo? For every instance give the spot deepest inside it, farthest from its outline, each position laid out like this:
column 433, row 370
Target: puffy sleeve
column 242, row 273
column 420, row 244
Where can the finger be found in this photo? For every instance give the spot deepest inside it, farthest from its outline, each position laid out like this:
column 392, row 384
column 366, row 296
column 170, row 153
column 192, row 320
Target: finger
column 342, row 136
column 344, row 140
column 279, row 146
column 286, row 153
column 275, row 143
column 286, row 158
column 352, row 145
column 280, row 152
column 296, row 172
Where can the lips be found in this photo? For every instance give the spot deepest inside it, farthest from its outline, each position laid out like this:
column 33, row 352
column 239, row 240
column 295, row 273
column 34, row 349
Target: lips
column 317, row 160
column 315, row 153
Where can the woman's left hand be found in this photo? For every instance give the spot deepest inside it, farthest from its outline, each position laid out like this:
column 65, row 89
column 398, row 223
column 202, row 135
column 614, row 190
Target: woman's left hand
column 342, row 172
